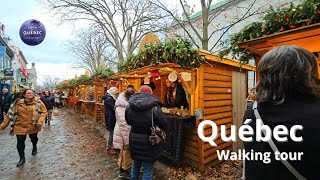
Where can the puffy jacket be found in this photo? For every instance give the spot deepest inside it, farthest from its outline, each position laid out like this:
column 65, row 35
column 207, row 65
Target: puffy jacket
column 110, row 116
column 122, row 129
column 138, row 115
column 48, row 102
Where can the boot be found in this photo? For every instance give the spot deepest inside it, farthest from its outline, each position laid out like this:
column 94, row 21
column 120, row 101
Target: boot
column 34, row 150
column 48, row 122
column 111, row 151
column 21, row 162
column 22, row 159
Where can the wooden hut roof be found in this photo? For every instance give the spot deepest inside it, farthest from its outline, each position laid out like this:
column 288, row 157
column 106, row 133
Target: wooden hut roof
column 306, row 36
column 215, row 59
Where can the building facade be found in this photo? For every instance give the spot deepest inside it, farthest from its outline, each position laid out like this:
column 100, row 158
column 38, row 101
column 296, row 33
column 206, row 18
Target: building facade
column 32, row 79
column 6, row 57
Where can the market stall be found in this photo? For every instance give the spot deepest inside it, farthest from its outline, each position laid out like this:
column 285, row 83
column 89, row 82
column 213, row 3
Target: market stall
column 216, row 89
column 307, row 37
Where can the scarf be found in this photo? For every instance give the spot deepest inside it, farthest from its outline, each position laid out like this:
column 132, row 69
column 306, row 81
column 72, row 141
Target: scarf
column 13, row 111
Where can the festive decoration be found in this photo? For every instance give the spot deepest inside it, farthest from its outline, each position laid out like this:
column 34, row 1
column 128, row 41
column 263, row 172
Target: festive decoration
column 178, row 51
column 276, row 20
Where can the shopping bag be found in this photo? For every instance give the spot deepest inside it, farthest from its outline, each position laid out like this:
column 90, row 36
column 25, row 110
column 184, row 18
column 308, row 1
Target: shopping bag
column 124, row 159
column 56, row 112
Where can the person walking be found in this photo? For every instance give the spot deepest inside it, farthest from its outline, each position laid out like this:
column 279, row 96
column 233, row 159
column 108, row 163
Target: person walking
column 121, row 133
column 26, row 116
column 49, row 103
column 5, row 99
column 287, row 94
column 142, row 107
column 109, row 102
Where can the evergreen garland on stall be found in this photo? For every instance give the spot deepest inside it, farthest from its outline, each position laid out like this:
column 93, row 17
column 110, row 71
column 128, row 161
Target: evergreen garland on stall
column 276, row 20
column 179, row 51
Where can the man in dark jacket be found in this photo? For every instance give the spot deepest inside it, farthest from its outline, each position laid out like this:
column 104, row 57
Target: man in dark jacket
column 142, row 106
column 109, row 101
column 5, row 101
column 48, row 101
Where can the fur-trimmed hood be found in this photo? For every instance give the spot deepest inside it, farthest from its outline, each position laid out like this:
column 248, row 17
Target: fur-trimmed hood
column 121, row 100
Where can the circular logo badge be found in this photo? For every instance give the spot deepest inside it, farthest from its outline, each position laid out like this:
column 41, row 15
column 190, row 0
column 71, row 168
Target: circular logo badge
column 32, row 32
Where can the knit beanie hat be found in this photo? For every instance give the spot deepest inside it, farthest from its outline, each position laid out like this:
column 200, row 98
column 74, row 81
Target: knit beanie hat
column 113, row 91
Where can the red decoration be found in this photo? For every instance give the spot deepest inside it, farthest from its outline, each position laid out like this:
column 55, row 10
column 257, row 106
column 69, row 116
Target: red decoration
column 318, row 12
column 287, row 19
column 282, row 28
column 307, row 20
column 154, row 73
column 292, row 26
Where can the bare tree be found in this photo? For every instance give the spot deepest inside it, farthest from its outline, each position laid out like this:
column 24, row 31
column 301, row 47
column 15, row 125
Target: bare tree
column 207, row 25
column 49, row 82
column 123, row 22
column 89, row 48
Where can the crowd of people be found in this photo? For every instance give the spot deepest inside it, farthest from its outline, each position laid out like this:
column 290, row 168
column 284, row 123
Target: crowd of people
column 287, row 93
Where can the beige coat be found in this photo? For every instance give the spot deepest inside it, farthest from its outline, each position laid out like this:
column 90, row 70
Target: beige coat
column 23, row 124
column 122, row 129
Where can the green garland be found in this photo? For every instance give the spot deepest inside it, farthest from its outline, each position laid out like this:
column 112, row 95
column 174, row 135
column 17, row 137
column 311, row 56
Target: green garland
column 102, row 73
column 178, row 51
column 276, row 20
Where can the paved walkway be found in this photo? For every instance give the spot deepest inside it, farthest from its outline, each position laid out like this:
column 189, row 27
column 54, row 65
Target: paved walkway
column 72, row 147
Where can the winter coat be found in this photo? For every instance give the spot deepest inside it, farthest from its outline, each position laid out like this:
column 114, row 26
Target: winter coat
column 48, row 102
column 109, row 112
column 23, row 123
column 5, row 101
column 122, row 129
column 305, row 112
column 138, row 115
column 180, row 98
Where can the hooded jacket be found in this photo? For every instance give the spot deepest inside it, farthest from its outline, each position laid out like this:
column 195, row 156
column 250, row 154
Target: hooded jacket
column 110, row 116
column 122, row 129
column 138, row 115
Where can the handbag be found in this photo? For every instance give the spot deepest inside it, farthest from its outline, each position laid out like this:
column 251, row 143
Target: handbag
column 56, row 112
column 274, row 147
column 157, row 134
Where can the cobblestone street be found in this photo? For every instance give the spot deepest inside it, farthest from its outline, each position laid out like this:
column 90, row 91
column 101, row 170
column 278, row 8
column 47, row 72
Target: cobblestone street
column 72, row 147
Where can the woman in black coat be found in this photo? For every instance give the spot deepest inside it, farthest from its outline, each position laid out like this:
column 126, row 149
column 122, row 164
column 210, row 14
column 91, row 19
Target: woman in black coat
column 288, row 93
column 109, row 102
column 138, row 115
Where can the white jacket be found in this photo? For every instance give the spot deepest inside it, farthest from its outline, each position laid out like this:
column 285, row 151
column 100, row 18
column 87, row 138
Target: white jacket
column 122, row 129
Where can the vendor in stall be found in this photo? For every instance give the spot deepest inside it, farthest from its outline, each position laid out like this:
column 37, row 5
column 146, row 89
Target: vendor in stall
column 175, row 96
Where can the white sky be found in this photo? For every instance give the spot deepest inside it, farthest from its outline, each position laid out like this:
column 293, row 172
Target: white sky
column 51, row 57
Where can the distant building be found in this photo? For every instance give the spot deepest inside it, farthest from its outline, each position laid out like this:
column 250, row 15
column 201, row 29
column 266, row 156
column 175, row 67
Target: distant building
column 32, row 79
column 6, row 56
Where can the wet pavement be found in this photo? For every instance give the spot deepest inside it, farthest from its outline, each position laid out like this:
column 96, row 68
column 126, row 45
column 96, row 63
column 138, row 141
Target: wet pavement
column 72, row 147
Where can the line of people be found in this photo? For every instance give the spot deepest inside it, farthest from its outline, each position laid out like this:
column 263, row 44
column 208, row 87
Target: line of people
column 128, row 120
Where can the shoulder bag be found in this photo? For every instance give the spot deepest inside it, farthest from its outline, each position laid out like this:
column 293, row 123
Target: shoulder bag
column 274, row 147
column 157, row 134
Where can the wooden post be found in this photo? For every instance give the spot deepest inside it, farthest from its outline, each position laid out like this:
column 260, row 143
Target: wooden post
column 200, row 100
column 193, row 85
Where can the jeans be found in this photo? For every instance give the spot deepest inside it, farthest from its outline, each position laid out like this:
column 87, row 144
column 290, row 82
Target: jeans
column 147, row 170
column 110, row 139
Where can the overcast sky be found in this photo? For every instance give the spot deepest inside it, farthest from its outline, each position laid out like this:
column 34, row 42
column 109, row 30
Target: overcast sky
column 50, row 56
